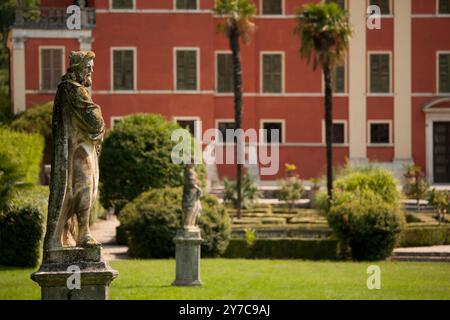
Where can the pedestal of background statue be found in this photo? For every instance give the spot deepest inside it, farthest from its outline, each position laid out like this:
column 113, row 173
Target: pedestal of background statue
column 187, row 257
column 95, row 274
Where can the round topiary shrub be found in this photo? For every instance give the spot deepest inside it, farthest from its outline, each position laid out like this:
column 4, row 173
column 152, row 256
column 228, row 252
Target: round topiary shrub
column 136, row 156
column 21, row 231
column 365, row 213
column 153, row 218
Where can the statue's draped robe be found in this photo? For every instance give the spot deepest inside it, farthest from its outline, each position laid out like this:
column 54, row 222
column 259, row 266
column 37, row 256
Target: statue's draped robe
column 191, row 200
column 78, row 129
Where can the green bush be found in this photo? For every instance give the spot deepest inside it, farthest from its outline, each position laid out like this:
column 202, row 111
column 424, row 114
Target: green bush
column 283, row 249
column 10, row 177
column 23, row 150
column 366, row 223
column 136, row 156
column 376, row 179
column 5, row 106
column 21, row 233
column 250, row 192
column 291, row 190
column 37, row 119
column 429, row 236
column 152, row 219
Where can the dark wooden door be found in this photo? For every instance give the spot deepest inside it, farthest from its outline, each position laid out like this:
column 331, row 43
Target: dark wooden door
column 441, row 152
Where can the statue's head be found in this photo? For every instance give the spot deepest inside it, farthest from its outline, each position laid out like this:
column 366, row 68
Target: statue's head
column 81, row 67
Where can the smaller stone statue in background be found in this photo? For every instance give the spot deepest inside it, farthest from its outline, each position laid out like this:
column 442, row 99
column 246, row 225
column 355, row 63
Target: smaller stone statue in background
column 191, row 198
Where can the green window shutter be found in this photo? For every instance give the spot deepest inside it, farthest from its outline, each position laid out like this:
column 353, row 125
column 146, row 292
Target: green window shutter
column 383, row 4
column 186, row 70
column 45, row 69
column 186, row 4
column 444, row 7
column 272, row 73
column 123, row 70
column 444, row 73
column 122, row 4
column 272, row 7
column 224, row 73
column 339, row 79
column 379, row 73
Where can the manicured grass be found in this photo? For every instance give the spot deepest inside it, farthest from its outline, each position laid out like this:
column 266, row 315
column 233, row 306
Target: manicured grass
column 260, row 279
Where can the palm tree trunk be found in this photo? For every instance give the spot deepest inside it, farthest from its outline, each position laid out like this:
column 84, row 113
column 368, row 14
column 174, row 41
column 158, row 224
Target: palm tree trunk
column 329, row 130
column 237, row 88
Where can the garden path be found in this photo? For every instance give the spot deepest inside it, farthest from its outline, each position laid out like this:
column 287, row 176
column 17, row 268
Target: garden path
column 104, row 231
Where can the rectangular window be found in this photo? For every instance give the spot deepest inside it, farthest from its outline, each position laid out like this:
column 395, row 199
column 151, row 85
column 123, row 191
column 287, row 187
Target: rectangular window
column 224, row 73
column 189, row 125
column 51, row 68
column 122, row 4
column 444, row 7
column 272, row 7
column 223, row 127
column 383, row 4
column 338, row 133
column 123, row 64
column 340, row 3
column 380, row 133
column 444, row 73
column 338, row 78
column 272, row 73
column 380, row 73
column 273, row 132
column 186, row 62
column 186, row 4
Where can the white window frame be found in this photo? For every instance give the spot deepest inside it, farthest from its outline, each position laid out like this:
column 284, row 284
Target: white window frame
column 175, row 76
column 197, row 125
column 369, row 138
column 391, row 10
column 337, row 121
column 283, row 130
column 184, row 10
column 216, row 72
column 134, row 49
column 379, row 94
column 440, row 14
column 216, row 126
column 438, row 89
column 283, row 9
column 113, row 119
column 63, row 64
column 261, row 73
column 122, row 10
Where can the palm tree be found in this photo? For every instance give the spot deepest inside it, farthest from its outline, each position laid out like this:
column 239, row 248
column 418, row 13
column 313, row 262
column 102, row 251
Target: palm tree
column 324, row 32
column 237, row 24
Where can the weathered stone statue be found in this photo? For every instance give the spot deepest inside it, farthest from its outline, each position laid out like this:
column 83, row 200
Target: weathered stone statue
column 188, row 239
column 77, row 129
column 191, row 198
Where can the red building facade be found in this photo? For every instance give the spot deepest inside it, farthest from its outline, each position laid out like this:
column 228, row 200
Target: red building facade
column 392, row 105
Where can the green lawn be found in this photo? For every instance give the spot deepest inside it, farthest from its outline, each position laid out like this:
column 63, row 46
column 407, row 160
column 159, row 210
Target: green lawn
column 259, row 279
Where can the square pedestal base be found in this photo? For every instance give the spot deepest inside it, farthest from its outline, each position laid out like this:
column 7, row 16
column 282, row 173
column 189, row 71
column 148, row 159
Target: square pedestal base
column 74, row 274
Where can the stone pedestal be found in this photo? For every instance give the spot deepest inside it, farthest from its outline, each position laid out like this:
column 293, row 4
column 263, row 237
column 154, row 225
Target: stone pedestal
column 74, row 274
column 187, row 257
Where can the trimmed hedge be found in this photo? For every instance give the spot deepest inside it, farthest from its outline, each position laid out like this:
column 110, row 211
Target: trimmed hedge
column 283, row 249
column 419, row 237
column 21, row 234
column 24, row 150
column 149, row 224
